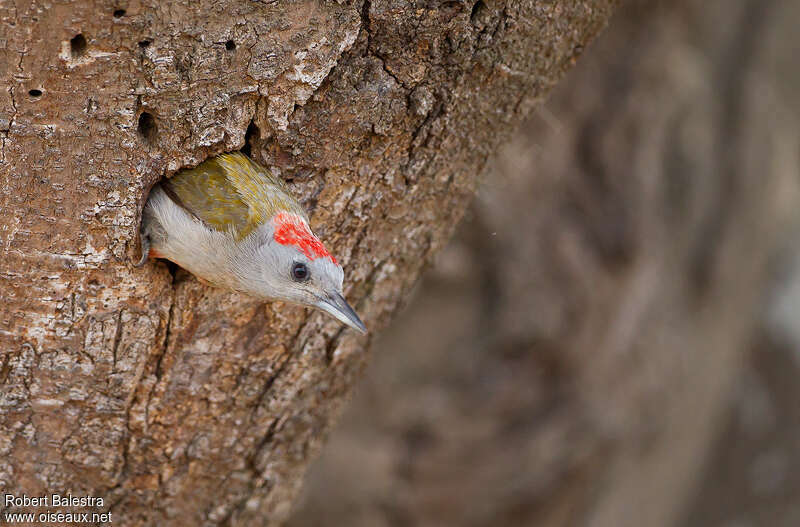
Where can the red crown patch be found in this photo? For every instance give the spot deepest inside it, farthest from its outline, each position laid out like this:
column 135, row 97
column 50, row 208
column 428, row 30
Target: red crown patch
column 291, row 229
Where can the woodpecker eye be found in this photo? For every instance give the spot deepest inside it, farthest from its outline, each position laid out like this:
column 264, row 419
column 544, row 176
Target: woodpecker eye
column 300, row 272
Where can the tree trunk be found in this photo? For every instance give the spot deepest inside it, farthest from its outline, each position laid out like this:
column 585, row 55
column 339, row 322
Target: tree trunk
column 175, row 402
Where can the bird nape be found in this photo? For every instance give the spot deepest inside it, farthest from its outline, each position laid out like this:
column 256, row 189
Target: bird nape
column 234, row 224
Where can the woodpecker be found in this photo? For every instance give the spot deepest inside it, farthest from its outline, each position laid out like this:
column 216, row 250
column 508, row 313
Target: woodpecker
column 234, row 224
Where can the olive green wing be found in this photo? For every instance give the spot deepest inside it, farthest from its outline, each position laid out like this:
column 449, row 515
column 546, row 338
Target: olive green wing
column 231, row 193
column 262, row 191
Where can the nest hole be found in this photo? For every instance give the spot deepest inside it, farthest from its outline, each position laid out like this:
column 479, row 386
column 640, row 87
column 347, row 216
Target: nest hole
column 230, row 45
column 119, row 13
column 35, row 93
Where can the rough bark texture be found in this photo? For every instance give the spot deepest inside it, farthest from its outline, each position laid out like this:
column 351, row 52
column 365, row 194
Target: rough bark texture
column 175, row 402
column 567, row 361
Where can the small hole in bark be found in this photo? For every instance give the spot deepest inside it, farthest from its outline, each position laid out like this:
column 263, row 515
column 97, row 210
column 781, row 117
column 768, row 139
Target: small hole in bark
column 253, row 133
column 230, row 45
column 35, row 93
column 144, row 43
column 119, row 13
column 476, row 10
column 77, row 45
column 147, row 127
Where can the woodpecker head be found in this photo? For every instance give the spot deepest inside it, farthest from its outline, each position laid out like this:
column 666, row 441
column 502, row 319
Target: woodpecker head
column 295, row 266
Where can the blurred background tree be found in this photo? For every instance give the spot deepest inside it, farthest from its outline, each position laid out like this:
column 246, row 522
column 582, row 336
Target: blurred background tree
column 611, row 340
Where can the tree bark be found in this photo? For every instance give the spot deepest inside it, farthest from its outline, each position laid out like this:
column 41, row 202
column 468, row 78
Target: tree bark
column 175, row 402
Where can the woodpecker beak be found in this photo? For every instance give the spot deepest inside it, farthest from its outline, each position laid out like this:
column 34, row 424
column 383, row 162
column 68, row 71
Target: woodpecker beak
column 336, row 306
